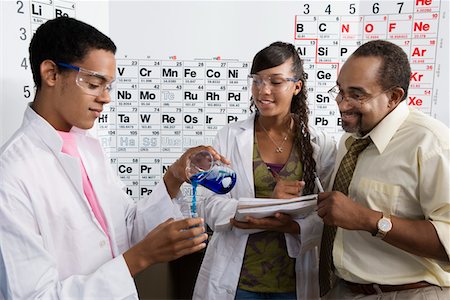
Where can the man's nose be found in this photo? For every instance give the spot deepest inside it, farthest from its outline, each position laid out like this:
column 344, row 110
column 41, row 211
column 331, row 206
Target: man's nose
column 104, row 97
column 344, row 104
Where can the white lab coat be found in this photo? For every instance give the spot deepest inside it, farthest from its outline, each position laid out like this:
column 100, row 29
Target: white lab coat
column 51, row 245
column 219, row 273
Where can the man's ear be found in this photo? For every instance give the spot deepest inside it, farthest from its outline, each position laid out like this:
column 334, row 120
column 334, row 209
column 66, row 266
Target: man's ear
column 49, row 72
column 396, row 96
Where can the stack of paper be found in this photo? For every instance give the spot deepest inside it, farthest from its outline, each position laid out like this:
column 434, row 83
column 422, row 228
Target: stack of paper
column 298, row 207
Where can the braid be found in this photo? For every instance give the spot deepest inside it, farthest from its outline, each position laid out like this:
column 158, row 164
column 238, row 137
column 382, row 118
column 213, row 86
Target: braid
column 300, row 114
column 305, row 150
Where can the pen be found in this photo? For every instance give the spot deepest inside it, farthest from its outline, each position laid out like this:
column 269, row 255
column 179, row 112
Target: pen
column 317, row 182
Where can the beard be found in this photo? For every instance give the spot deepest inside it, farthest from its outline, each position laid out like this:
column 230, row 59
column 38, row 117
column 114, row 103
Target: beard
column 351, row 122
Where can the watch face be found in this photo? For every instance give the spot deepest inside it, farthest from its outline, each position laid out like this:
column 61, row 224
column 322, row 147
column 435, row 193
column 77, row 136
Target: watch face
column 384, row 225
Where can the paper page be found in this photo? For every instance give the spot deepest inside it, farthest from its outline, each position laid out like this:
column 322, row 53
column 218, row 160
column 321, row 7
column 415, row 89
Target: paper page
column 260, row 207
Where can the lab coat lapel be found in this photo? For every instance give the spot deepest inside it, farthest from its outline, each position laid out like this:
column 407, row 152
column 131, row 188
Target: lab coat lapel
column 49, row 137
column 71, row 167
column 92, row 155
column 245, row 148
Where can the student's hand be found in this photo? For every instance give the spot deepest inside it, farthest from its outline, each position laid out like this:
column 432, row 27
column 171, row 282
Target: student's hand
column 337, row 209
column 279, row 222
column 287, row 189
column 168, row 241
column 176, row 174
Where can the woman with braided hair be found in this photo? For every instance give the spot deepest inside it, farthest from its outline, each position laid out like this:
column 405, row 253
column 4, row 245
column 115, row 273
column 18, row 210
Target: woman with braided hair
column 275, row 154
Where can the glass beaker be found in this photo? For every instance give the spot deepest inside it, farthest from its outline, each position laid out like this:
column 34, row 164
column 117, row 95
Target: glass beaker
column 203, row 169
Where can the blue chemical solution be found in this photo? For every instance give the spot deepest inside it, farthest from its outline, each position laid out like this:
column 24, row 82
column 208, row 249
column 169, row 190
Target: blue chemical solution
column 194, row 199
column 194, row 204
column 219, row 179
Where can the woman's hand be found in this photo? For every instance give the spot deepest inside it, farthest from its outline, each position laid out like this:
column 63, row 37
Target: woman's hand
column 287, row 189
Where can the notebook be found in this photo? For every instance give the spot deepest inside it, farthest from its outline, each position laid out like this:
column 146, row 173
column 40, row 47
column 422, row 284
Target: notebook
column 298, row 207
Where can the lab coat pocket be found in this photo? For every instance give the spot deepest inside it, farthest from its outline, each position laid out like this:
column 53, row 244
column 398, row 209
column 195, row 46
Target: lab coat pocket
column 378, row 195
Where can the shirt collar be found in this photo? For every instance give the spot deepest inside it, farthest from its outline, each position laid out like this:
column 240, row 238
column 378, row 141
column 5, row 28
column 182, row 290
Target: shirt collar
column 385, row 130
column 45, row 131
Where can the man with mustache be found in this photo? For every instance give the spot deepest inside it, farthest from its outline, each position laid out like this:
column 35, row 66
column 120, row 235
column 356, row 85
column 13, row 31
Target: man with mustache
column 393, row 215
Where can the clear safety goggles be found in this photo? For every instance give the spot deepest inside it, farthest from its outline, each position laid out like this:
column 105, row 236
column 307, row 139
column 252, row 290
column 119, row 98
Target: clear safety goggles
column 276, row 83
column 91, row 82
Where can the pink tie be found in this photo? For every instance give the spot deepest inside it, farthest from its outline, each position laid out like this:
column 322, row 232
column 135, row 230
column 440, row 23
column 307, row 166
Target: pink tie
column 70, row 147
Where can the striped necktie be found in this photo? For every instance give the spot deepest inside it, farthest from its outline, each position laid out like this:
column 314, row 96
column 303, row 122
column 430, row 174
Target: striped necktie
column 341, row 183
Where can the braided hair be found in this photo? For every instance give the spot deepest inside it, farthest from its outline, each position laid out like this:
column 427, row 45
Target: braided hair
column 274, row 55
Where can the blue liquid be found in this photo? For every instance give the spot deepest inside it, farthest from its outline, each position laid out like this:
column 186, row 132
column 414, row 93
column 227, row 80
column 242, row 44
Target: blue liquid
column 194, row 200
column 219, row 180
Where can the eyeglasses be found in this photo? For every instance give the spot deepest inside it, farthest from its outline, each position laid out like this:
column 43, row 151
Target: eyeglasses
column 92, row 83
column 354, row 97
column 276, row 83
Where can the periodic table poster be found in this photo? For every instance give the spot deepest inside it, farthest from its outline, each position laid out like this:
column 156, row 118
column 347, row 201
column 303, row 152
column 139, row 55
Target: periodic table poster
column 182, row 67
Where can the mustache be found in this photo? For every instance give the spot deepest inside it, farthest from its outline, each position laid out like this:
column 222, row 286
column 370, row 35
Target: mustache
column 350, row 112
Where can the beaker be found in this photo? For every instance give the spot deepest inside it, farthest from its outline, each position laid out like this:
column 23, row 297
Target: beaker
column 203, row 169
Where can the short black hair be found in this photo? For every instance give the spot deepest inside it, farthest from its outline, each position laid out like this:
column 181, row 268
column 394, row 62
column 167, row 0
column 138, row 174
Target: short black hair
column 395, row 70
column 65, row 39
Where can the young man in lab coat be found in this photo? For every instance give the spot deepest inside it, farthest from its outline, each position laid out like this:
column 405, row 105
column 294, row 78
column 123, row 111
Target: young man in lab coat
column 67, row 229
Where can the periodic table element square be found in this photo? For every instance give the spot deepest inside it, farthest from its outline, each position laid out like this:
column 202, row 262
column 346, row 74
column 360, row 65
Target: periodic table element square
column 171, row 141
column 306, row 48
column 149, row 94
column 422, row 76
column 238, row 96
column 399, row 26
column 149, row 71
column 171, row 118
column 193, row 93
column 149, row 168
column 149, row 118
column 306, row 27
column 216, row 95
column 351, row 27
column 425, row 25
column 149, row 141
column 194, row 72
column 127, row 117
column 171, row 71
column 374, row 27
column 128, row 168
column 126, row 96
column 171, row 95
column 216, row 72
column 423, row 51
column 193, row 118
column 215, row 118
column 107, row 118
column 127, row 69
column 421, row 98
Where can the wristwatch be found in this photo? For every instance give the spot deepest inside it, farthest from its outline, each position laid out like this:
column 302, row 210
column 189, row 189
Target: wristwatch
column 384, row 225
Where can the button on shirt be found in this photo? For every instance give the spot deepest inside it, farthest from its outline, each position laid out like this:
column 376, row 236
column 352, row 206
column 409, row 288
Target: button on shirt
column 405, row 172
